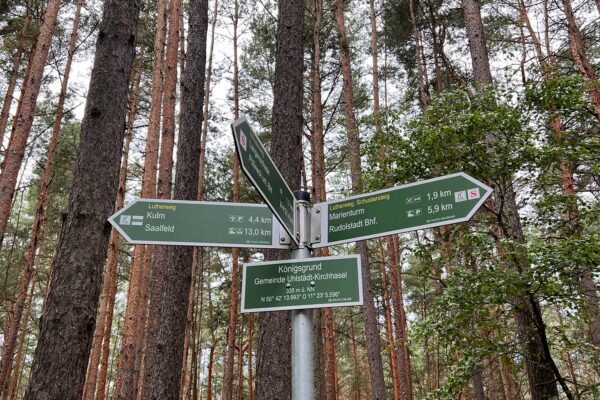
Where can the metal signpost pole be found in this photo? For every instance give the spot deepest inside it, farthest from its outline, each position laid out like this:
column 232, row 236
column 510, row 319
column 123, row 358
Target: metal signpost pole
column 302, row 343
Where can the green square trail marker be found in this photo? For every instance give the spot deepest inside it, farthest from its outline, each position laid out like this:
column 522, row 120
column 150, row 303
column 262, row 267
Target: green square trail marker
column 264, row 175
column 301, row 284
column 439, row 201
column 199, row 223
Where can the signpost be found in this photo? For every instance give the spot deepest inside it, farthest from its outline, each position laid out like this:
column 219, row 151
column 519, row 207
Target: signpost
column 439, row 201
column 300, row 284
column 199, row 223
column 264, row 175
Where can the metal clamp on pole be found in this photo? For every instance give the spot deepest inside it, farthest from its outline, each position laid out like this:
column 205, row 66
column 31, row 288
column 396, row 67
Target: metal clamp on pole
column 302, row 343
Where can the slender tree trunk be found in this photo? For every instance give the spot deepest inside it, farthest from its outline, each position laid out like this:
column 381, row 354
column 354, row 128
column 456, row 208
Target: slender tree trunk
column 38, row 222
column 423, row 96
column 250, row 356
column 587, row 286
column 131, row 346
column 164, row 367
column 26, row 113
column 202, row 161
column 581, row 59
column 14, row 74
column 373, row 340
column 227, row 389
column 11, row 393
column 67, row 326
column 389, row 327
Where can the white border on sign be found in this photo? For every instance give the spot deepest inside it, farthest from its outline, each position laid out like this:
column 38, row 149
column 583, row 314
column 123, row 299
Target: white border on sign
column 235, row 124
column 325, row 211
column 274, row 232
column 302, row 307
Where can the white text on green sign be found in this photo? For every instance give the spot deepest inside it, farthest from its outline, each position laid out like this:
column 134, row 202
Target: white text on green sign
column 299, row 284
column 439, row 201
column 199, row 223
column 264, row 175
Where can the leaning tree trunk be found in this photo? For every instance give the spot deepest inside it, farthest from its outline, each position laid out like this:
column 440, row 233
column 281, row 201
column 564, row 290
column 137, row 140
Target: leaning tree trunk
column 38, row 222
column 14, row 74
column 273, row 375
column 541, row 371
column 373, row 340
column 26, row 113
column 582, row 61
column 67, row 325
column 163, row 375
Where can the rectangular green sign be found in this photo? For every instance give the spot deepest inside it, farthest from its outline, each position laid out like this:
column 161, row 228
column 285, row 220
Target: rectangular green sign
column 199, row 223
column 264, row 175
column 299, row 284
column 440, row 201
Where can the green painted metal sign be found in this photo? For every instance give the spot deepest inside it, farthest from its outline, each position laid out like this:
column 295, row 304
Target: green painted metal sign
column 440, row 201
column 199, row 223
column 299, row 284
column 264, row 175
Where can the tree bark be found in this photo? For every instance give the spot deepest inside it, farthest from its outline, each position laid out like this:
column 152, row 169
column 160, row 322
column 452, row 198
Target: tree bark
column 371, row 329
column 163, row 363
column 581, row 59
column 227, row 389
column 131, row 345
column 541, row 375
column 273, row 375
column 14, row 74
column 107, row 299
column 38, row 222
column 67, row 325
column 26, row 113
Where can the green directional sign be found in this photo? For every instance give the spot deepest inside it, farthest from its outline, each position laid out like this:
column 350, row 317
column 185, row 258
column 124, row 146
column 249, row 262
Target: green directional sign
column 440, row 201
column 199, row 223
column 299, row 284
column 264, row 175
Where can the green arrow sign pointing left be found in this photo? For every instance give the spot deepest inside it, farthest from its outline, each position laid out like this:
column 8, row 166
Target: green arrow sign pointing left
column 199, row 223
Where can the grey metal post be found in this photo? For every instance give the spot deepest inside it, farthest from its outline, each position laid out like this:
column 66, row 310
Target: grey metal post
column 302, row 343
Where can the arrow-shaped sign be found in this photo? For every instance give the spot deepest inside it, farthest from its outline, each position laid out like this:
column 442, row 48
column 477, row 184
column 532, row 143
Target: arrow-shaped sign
column 264, row 175
column 199, row 223
column 439, row 201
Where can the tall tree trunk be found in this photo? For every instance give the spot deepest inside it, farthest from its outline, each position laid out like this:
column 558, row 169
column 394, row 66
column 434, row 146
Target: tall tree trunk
column 164, row 367
column 26, row 113
column 14, row 74
column 107, row 298
column 389, row 327
column 201, row 177
column 227, row 389
column 318, row 176
column 581, row 59
column 541, row 371
column 131, row 345
column 11, row 393
column 423, row 96
column 373, row 340
column 250, row 356
column 67, row 326
column 273, row 375
column 38, row 222
column 587, row 286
